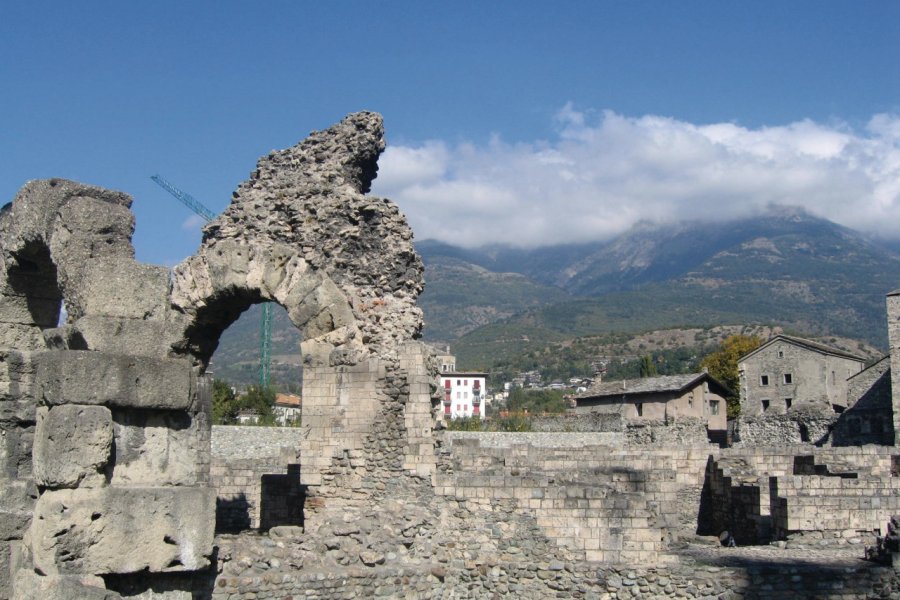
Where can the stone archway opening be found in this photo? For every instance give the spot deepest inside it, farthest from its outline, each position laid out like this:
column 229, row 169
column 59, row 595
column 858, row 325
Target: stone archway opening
column 238, row 357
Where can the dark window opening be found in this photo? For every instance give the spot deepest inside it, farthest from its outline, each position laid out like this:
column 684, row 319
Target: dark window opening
column 640, row 409
column 787, row 402
column 765, row 405
column 763, row 380
column 788, row 378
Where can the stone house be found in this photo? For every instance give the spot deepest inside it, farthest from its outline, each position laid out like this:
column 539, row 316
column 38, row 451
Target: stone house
column 788, row 371
column 665, row 398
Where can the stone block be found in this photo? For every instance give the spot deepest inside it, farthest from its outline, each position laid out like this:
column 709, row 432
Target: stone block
column 21, row 337
column 15, row 449
column 43, row 312
column 122, row 287
column 16, row 504
column 82, row 377
column 123, row 530
column 156, row 448
column 127, row 336
column 72, row 445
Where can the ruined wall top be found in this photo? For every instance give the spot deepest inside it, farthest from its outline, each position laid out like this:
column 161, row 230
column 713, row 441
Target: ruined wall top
column 302, row 229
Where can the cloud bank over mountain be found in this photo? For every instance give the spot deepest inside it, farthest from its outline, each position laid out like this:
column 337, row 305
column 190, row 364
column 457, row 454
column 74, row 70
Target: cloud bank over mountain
column 604, row 172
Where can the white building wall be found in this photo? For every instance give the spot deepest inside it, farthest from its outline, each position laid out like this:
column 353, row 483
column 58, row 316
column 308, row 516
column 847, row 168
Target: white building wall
column 466, row 394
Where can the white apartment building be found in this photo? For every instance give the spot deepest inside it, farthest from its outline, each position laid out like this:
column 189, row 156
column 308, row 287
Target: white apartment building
column 463, row 394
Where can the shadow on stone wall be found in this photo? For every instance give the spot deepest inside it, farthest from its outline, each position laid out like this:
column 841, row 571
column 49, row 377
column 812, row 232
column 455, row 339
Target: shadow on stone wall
column 282, row 499
column 232, row 515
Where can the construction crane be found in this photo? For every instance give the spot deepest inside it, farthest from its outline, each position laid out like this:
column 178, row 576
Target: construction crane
column 265, row 325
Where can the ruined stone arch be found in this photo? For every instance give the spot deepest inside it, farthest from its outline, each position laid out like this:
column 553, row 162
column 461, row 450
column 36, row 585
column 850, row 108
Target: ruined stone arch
column 105, row 441
column 213, row 288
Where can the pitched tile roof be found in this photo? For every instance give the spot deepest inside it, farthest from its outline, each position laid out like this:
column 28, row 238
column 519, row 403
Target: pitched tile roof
column 647, row 385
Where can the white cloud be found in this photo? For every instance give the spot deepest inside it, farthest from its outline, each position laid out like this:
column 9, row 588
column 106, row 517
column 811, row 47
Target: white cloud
column 604, row 172
column 193, row 223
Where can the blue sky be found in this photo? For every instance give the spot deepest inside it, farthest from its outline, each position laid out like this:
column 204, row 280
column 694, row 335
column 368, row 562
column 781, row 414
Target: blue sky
column 522, row 123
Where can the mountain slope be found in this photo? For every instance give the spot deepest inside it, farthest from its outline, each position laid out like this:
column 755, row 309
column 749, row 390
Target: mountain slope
column 460, row 296
column 787, row 268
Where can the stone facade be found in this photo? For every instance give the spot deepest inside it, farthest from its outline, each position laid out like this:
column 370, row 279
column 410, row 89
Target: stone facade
column 664, row 399
column 868, row 420
column 787, row 372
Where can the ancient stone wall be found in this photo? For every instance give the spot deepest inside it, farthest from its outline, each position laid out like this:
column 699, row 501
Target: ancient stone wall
column 893, row 325
column 800, row 424
column 234, row 442
column 104, row 421
column 838, row 495
column 101, row 421
column 506, row 576
column 868, row 420
column 599, row 502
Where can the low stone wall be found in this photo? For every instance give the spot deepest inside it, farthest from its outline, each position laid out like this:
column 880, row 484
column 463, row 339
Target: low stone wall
column 536, row 439
column 579, row 422
column 236, row 442
column 795, row 427
column 842, row 509
column 256, row 474
column 487, row 577
column 779, row 493
column 603, row 503
column 688, row 431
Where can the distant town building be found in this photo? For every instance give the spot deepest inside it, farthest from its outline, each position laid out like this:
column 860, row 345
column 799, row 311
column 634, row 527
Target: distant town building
column 666, row 398
column 287, row 409
column 787, row 371
column 446, row 361
column 463, row 394
column 248, row 417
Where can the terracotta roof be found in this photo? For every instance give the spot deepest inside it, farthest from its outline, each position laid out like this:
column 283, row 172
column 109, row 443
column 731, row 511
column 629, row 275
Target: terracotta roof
column 648, row 385
column 287, row 400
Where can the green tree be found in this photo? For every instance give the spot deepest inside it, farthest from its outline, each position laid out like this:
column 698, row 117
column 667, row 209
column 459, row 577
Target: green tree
column 261, row 400
column 723, row 366
column 224, row 403
column 536, row 401
column 648, row 367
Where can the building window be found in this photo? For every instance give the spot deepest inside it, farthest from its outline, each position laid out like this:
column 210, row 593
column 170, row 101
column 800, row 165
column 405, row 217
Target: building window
column 465, row 382
column 458, row 382
column 765, row 404
column 640, row 409
column 763, row 380
column 787, row 402
column 781, row 354
column 466, row 395
column 458, row 395
column 713, row 407
column 788, row 378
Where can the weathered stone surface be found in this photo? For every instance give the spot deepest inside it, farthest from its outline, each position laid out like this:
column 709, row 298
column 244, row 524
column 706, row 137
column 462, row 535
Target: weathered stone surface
column 123, row 530
column 16, row 502
column 31, row 586
column 121, row 287
column 72, row 445
column 80, row 377
column 303, row 231
column 157, row 448
column 15, row 449
column 136, row 337
column 20, row 309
